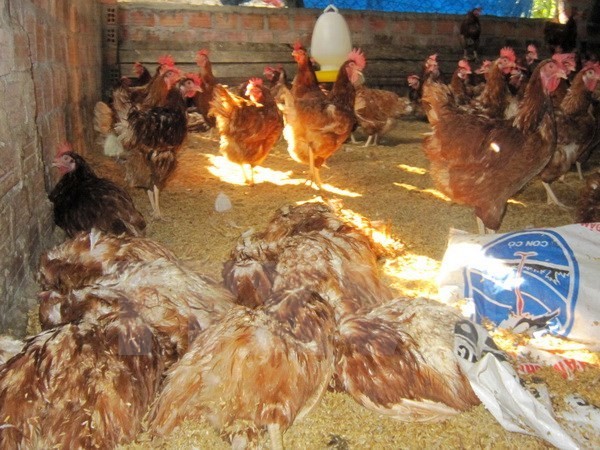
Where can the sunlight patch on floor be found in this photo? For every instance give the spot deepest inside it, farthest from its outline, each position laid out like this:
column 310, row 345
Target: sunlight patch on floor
column 412, row 169
column 433, row 192
column 232, row 173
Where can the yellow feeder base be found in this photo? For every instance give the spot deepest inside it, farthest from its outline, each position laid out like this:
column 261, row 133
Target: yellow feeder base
column 326, row 76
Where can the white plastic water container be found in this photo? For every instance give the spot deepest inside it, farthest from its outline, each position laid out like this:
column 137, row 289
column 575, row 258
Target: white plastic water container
column 330, row 43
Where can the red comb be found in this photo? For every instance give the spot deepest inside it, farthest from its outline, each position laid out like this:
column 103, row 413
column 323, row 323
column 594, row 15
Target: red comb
column 432, row 57
column 297, row 45
column 166, row 60
column 255, row 81
column 63, row 148
column 532, row 48
column 565, row 59
column 137, row 64
column 463, row 63
column 202, row 52
column 508, row 53
column 413, row 77
column 358, row 57
column 194, row 77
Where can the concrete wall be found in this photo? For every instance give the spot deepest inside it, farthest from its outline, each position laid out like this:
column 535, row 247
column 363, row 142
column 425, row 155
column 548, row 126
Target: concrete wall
column 243, row 40
column 50, row 69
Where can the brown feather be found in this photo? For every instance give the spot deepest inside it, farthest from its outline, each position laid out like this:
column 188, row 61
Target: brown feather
column 398, row 359
column 81, row 385
column 252, row 369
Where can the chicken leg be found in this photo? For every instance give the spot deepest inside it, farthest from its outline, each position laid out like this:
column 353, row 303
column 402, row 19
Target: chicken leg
column 313, row 170
column 481, row 228
column 276, row 436
column 248, row 177
column 551, row 197
column 153, row 195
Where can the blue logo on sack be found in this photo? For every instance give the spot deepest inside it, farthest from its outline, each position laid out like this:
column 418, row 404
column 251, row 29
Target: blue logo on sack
column 528, row 279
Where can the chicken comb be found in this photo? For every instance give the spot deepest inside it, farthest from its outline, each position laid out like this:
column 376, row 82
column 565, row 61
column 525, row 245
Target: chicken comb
column 432, row 58
column 358, row 57
column 508, row 53
column 137, row 64
column 63, row 148
column 531, row 48
column 268, row 70
column 166, row 60
column 464, row 64
column 194, row 77
column 567, row 60
column 413, row 77
column 202, row 52
column 255, row 81
column 298, row 45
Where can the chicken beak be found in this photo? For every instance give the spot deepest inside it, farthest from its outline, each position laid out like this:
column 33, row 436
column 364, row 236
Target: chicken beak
column 563, row 74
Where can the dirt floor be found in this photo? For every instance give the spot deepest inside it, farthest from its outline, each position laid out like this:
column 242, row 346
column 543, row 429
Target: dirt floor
column 387, row 183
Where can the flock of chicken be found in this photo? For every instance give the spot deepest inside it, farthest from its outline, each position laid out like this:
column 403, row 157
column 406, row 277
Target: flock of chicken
column 525, row 119
column 130, row 332
column 493, row 131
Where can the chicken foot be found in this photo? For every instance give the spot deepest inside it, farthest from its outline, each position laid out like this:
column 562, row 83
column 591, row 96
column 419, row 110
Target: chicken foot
column 276, row 436
column 153, row 195
column 551, row 197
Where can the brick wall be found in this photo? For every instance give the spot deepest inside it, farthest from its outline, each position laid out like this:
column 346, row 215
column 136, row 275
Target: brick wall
column 243, row 40
column 49, row 81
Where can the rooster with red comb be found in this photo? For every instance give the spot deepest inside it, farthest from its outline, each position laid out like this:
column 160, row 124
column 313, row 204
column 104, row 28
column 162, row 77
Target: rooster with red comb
column 317, row 124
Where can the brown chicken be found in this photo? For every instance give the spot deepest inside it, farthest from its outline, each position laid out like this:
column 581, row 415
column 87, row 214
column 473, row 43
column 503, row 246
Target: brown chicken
column 82, row 200
column 482, row 162
column 494, row 101
column 398, row 360
column 578, row 130
column 305, row 80
column 377, row 111
column 176, row 302
column 430, row 72
column 308, row 246
column 317, row 125
column 256, row 369
column 459, row 84
column 249, row 126
column 588, row 205
column 278, row 81
column 151, row 124
column 200, row 102
column 81, row 385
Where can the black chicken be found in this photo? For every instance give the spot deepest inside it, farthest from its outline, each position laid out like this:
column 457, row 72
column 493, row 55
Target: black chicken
column 470, row 30
column 141, row 76
column 83, row 201
column 559, row 37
